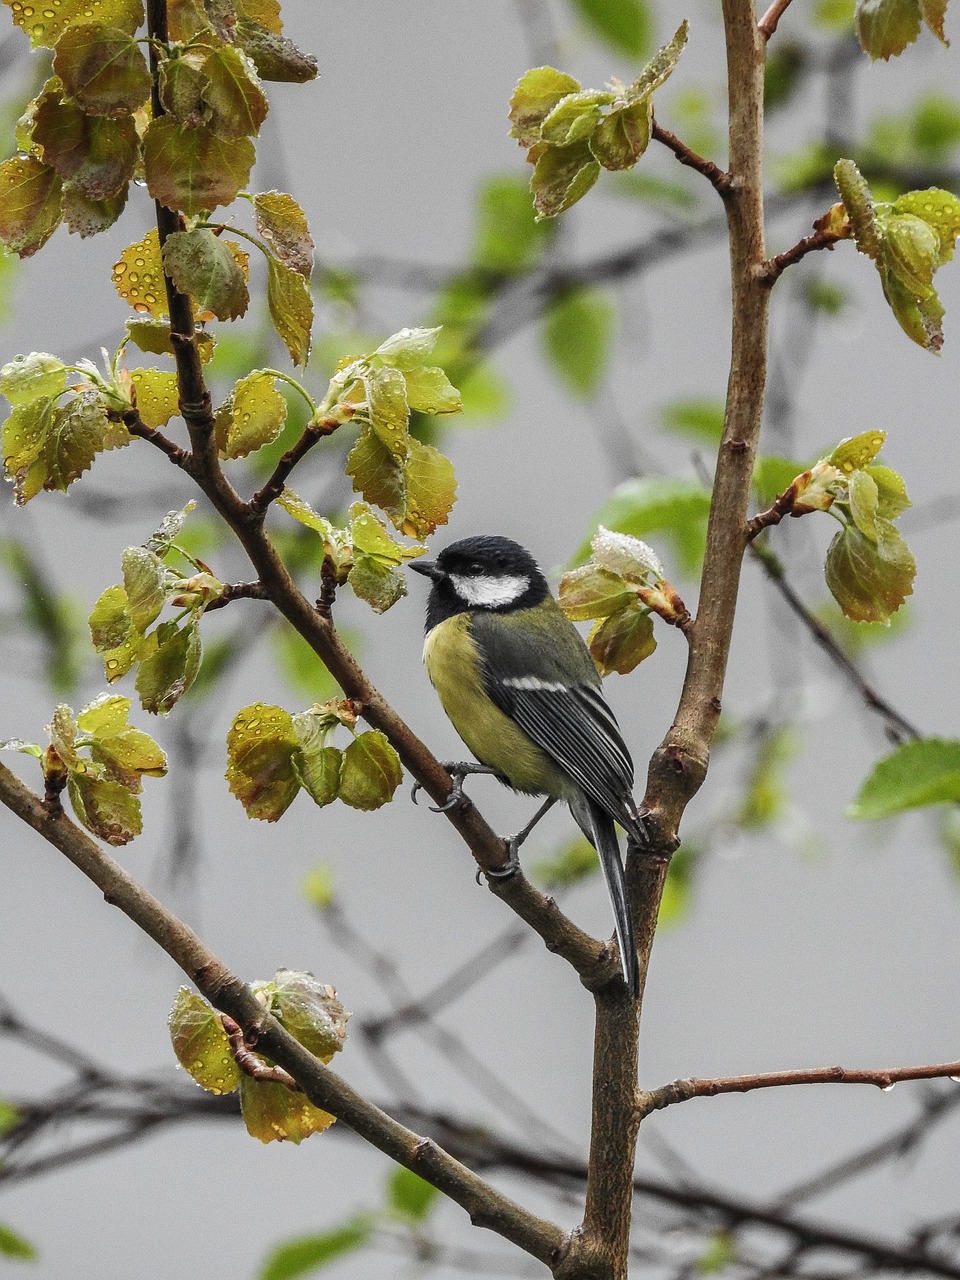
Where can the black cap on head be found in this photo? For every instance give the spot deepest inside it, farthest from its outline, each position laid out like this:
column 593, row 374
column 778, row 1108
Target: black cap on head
column 485, row 556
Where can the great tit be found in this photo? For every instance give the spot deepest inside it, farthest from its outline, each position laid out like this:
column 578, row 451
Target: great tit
column 520, row 687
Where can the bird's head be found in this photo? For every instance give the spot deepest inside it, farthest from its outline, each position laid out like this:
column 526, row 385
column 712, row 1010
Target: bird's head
column 486, row 572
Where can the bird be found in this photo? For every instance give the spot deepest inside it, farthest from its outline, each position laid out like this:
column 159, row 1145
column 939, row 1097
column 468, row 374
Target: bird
column 518, row 683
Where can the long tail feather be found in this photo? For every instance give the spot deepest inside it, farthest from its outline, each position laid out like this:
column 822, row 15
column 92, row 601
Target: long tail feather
column 600, row 830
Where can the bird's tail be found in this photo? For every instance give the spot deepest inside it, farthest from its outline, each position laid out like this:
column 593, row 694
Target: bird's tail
column 601, row 831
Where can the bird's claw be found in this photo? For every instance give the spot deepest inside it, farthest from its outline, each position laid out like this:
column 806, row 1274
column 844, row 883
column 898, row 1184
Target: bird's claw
column 458, row 770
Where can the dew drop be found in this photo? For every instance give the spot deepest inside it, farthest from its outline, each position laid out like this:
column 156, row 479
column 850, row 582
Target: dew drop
column 888, row 1088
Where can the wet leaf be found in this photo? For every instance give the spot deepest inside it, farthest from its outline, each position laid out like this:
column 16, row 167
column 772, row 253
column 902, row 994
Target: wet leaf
column 201, row 1044
column 535, row 96
column 429, row 390
column 310, row 1011
column 431, row 490
column 138, row 276
column 274, row 1113
column 206, row 267
column 169, row 661
column 97, row 155
column 275, row 57
column 30, row 209
column 38, row 376
column 194, row 170
column 261, row 745
column 102, row 69
column 387, row 406
column 46, row 23
column 622, row 641
column 592, row 592
column 256, row 416
column 283, row 224
column 870, row 580
column 144, row 586
column 622, row 138
column 232, row 91
column 370, row 772
column 158, row 395
column 561, row 176
column 291, row 308
column 105, row 807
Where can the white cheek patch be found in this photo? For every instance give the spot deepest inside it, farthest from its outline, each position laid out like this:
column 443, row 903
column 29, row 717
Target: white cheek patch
column 488, row 591
column 532, row 684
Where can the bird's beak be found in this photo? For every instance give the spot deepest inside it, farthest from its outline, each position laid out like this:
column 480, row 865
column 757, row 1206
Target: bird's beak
column 429, row 569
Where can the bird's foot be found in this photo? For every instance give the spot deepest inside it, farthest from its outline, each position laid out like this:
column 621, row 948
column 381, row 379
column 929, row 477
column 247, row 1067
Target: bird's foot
column 458, row 770
column 512, row 865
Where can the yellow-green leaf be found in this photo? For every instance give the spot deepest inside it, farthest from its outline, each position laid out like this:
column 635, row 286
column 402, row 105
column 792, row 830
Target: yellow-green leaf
column 535, row 96
column 561, row 176
column 431, row 490
column 45, row 23
column 260, row 761
column 291, row 308
column 274, row 1113
column 870, row 580
column 30, row 208
column 387, row 407
column 102, row 69
column 857, row 451
column 622, row 640
column 370, row 771
column 138, row 276
column 105, row 807
column 592, row 592
column 169, row 661
column 429, row 390
column 310, row 1011
column 201, row 1044
column 207, row 267
column 257, row 412
column 233, row 93
column 158, row 396
column 283, row 224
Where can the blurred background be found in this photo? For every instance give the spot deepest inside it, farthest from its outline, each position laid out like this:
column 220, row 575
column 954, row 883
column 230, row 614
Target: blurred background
column 791, row 936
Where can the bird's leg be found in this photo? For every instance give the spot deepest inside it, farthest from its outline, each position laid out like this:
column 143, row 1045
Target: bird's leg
column 458, row 770
column 514, row 842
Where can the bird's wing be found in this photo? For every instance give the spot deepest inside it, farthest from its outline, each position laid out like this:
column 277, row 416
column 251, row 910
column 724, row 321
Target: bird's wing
column 576, row 728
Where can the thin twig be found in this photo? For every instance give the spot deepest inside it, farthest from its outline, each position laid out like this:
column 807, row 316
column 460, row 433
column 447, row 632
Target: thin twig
column 898, row 727
column 137, row 427
column 773, row 268
column 275, row 485
column 719, row 178
column 768, row 23
column 238, row 591
column 881, row 1078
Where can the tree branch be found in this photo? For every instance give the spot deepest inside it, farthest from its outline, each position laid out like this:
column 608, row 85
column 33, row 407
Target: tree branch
column 768, row 23
column 717, row 177
column 882, row 1078
column 230, row 995
column 773, row 268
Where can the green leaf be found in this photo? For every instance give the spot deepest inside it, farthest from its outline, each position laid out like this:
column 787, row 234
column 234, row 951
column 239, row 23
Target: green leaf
column 429, row 390
column 13, row 1245
column 592, row 592
column 274, row 1113
column 169, row 661
column 38, row 376
column 96, row 154
column 204, row 266
column 87, row 217
column 375, row 575
column 870, row 581
column 260, row 770
column 561, row 176
column 387, row 406
column 30, row 208
column 939, row 209
column 283, row 224
column 507, row 237
column 858, row 203
column 194, row 170
column 917, row 774
column 577, row 336
column 891, row 492
column 661, row 65
column 102, row 69
column 864, row 499
column 310, row 1011
column 110, row 620
column 700, row 419
column 105, row 807
column 574, row 118
column 431, row 490
column 252, row 417
column 291, row 308
column 622, row 138
column 370, row 771
column 181, row 85
column 144, row 585
column 622, row 641
column 201, row 1044
column 410, row 1197
column 678, row 508
column 377, row 474
column 535, row 96
column 626, row 26
column 408, row 348
column 319, row 772
column 857, row 451
column 886, row 27
column 233, row 93
column 44, row 25
column 306, row 1254
column 574, row 862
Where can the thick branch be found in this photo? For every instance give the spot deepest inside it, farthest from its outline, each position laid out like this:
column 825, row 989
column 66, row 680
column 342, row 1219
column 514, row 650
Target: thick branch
column 227, row 993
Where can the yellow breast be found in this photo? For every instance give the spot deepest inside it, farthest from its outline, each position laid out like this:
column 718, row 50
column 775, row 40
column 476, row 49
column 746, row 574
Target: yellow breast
column 451, row 663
